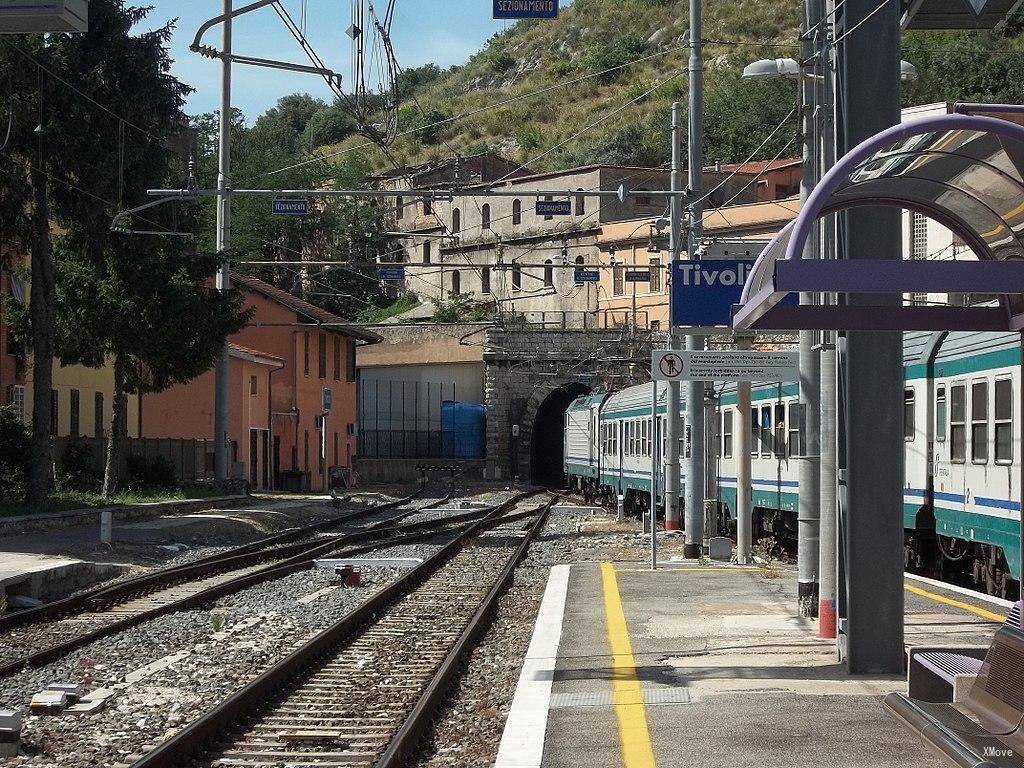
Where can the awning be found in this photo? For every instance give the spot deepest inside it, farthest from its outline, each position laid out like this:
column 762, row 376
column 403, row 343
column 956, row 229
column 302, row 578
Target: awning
column 964, row 171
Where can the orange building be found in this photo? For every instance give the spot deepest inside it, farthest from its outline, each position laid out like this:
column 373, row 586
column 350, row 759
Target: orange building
column 308, row 427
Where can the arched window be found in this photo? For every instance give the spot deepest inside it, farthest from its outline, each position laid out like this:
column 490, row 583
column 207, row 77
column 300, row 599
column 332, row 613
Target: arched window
column 456, row 283
column 517, row 211
column 426, row 252
column 456, row 221
column 580, row 261
column 485, row 216
column 581, row 204
column 549, row 274
column 517, row 277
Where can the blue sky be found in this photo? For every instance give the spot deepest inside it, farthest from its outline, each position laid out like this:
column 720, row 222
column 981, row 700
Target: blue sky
column 444, row 32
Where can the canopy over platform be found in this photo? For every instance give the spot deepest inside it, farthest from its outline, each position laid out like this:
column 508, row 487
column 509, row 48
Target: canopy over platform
column 966, row 172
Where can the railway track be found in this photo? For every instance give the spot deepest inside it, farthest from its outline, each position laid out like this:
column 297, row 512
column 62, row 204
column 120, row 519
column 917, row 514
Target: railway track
column 363, row 691
column 110, row 610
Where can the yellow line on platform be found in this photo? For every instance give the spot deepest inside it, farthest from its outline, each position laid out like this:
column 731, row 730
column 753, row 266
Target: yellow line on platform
column 990, row 615
column 637, row 750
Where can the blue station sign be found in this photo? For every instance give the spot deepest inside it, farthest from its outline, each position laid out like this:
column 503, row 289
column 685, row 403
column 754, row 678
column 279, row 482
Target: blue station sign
column 703, row 292
column 638, row 276
column 554, row 207
column 391, row 273
column 586, row 276
column 283, row 207
column 526, row 9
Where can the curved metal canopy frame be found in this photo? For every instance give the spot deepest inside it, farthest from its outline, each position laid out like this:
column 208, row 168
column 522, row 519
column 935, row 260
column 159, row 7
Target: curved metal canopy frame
column 964, row 171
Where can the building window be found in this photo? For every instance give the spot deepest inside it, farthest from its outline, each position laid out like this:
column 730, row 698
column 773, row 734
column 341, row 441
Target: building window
column 517, row 277
column 321, row 358
column 305, row 353
column 549, row 198
column 581, row 204
column 350, row 429
column 350, row 369
column 456, row 221
column 16, row 398
column 979, row 422
column 655, row 325
column 580, row 261
column 549, row 274
column 517, row 211
column 428, row 207
column 337, row 359
column 74, row 412
column 400, row 208
column 642, row 198
column 958, row 423
column 456, row 282
column 485, row 280
column 908, row 414
column 727, row 434
column 655, row 275
column 918, row 236
column 485, row 216
column 940, row 414
column 618, row 279
column 100, row 425
column 426, row 252
column 254, row 386
column 305, row 449
column 1004, row 421
column 794, row 444
column 54, row 412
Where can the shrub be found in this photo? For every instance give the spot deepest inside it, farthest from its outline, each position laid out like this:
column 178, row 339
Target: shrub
column 15, row 452
column 602, row 56
column 78, row 467
column 153, row 471
column 328, row 126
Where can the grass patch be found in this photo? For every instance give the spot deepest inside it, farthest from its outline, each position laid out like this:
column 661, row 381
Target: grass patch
column 64, row 500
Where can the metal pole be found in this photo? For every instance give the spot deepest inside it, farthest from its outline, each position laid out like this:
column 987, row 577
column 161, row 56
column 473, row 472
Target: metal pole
column 675, row 244
column 744, row 507
column 220, row 418
column 654, row 475
column 810, row 370
column 694, row 507
column 828, row 531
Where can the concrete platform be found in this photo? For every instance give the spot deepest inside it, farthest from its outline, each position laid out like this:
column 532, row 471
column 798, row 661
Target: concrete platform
column 711, row 666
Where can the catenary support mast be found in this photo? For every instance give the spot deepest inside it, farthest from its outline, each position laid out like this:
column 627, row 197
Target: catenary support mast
column 220, row 418
column 694, row 480
column 672, row 403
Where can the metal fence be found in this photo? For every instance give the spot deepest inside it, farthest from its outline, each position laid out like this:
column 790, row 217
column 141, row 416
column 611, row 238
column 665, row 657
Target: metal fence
column 402, row 419
column 192, row 459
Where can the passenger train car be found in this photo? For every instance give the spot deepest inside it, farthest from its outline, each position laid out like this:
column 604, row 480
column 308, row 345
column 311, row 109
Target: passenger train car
column 962, row 432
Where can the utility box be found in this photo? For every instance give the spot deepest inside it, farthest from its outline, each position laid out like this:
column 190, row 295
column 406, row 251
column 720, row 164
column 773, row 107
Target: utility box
column 19, row 17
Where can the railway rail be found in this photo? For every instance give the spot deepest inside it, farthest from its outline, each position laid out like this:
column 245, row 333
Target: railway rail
column 363, row 691
column 107, row 611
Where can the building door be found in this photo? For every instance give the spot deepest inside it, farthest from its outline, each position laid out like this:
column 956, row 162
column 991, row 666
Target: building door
column 277, row 462
column 265, row 459
column 254, row 457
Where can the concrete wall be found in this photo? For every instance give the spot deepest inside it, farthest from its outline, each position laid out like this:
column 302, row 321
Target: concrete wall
column 384, row 471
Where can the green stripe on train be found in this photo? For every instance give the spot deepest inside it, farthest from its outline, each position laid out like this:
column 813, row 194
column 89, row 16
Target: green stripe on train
column 999, row 358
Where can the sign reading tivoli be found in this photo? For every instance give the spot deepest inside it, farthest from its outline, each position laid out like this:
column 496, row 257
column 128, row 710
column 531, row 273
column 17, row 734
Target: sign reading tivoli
column 526, row 9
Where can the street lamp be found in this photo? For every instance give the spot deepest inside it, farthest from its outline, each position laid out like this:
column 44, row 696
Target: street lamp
column 790, row 69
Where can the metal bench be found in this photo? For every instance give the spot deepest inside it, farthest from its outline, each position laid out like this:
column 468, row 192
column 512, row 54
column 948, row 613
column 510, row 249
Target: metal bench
column 944, row 674
column 984, row 730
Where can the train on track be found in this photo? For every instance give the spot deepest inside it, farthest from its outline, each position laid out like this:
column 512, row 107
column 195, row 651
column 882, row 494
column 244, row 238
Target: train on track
column 962, row 435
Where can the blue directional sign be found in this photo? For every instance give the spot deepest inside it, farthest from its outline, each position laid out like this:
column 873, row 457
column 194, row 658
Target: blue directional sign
column 526, row 9
column 291, row 207
column 391, row 273
column 638, row 276
column 554, row 207
column 586, row 276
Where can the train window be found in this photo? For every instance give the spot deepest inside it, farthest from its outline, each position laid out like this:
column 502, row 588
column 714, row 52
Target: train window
column 780, row 430
column 979, row 422
column 940, row 414
column 958, row 423
column 1004, row 421
column 755, row 431
column 908, row 414
column 795, row 448
column 766, row 431
column 727, row 434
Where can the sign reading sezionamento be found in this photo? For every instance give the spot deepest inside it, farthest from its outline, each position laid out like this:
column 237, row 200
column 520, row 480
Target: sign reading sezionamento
column 554, row 208
column 586, row 276
column 740, row 365
column 282, row 207
column 526, row 9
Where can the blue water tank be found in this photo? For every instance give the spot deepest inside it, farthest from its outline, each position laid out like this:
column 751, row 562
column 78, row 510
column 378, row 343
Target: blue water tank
column 463, row 430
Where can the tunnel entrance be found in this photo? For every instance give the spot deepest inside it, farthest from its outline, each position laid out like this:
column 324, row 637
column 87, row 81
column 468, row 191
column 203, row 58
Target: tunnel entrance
column 548, row 437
